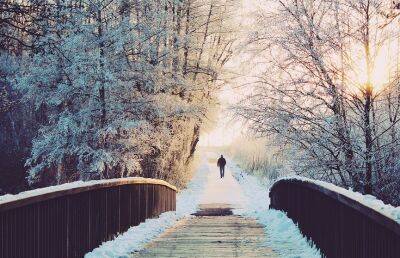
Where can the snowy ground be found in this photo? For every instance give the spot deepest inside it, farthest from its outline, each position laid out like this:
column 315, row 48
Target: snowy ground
column 247, row 194
column 136, row 237
column 226, row 190
column 282, row 234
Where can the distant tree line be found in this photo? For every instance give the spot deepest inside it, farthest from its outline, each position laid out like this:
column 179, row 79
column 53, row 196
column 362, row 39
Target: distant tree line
column 106, row 88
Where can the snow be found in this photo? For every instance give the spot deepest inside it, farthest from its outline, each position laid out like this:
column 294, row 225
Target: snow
column 67, row 186
column 36, row 192
column 247, row 194
column 367, row 200
column 224, row 191
column 283, row 236
column 136, row 237
column 143, row 103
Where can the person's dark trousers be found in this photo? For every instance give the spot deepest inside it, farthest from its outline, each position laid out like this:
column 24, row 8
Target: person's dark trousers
column 222, row 171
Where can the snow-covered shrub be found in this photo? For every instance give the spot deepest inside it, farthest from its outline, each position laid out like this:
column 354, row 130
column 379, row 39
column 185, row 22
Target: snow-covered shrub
column 258, row 157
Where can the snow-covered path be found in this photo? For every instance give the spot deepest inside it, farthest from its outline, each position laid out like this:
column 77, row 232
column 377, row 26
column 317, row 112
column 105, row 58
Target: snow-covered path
column 246, row 194
column 222, row 190
column 214, row 231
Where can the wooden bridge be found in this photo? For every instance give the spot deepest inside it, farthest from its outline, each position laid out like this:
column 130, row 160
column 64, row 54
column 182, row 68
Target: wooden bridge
column 214, row 232
column 72, row 221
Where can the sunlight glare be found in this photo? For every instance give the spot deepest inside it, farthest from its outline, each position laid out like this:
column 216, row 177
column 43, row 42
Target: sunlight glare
column 384, row 66
column 380, row 72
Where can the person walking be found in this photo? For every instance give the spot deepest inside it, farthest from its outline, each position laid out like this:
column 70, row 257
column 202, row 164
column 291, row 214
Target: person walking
column 221, row 164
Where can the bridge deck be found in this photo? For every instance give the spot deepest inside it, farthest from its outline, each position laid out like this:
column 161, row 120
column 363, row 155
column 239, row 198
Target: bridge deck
column 214, row 232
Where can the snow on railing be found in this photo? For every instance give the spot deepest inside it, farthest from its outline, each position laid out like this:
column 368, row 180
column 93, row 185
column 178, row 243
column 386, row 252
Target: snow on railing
column 365, row 199
column 71, row 219
column 72, row 188
column 341, row 223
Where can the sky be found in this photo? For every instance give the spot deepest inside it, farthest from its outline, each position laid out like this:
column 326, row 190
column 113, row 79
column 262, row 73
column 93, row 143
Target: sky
column 226, row 127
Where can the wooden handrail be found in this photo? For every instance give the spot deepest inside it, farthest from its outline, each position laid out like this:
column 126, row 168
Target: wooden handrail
column 71, row 219
column 337, row 223
column 29, row 197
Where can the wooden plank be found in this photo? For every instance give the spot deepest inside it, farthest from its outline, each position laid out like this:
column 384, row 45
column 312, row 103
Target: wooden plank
column 125, row 208
column 135, row 204
column 25, row 199
column 339, row 225
column 354, row 204
column 2, row 234
column 144, row 203
column 150, row 211
column 98, row 217
column 210, row 236
column 71, row 225
column 79, row 221
column 112, row 212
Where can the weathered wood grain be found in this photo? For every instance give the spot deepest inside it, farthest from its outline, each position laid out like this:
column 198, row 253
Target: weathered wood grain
column 210, row 236
column 338, row 224
column 32, row 197
column 70, row 222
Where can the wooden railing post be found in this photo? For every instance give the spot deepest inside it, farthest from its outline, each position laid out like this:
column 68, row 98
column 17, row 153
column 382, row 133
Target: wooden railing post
column 339, row 225
column 72, row 221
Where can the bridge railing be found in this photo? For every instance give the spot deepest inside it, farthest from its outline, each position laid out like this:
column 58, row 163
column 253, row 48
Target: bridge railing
column 338, row 224
column 72, row 219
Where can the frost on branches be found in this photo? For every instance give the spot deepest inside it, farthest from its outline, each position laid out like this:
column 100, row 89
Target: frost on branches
column 119, row 88
column 328, row 91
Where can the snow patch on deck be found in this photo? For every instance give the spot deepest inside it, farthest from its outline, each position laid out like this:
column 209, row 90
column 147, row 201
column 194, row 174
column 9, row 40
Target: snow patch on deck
column 282, row 235
column 247, row 194
column 136, row 237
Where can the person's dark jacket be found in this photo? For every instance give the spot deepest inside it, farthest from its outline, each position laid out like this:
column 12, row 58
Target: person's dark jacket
column 221, row 162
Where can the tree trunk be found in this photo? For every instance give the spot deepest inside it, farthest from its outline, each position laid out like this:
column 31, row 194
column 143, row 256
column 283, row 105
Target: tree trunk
column 368, row 140
column 186, row 45
column 102, row 90
column 203, row 43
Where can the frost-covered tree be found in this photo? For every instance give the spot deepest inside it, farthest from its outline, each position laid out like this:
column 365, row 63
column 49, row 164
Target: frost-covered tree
column 329, row 90
column 120, row 86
